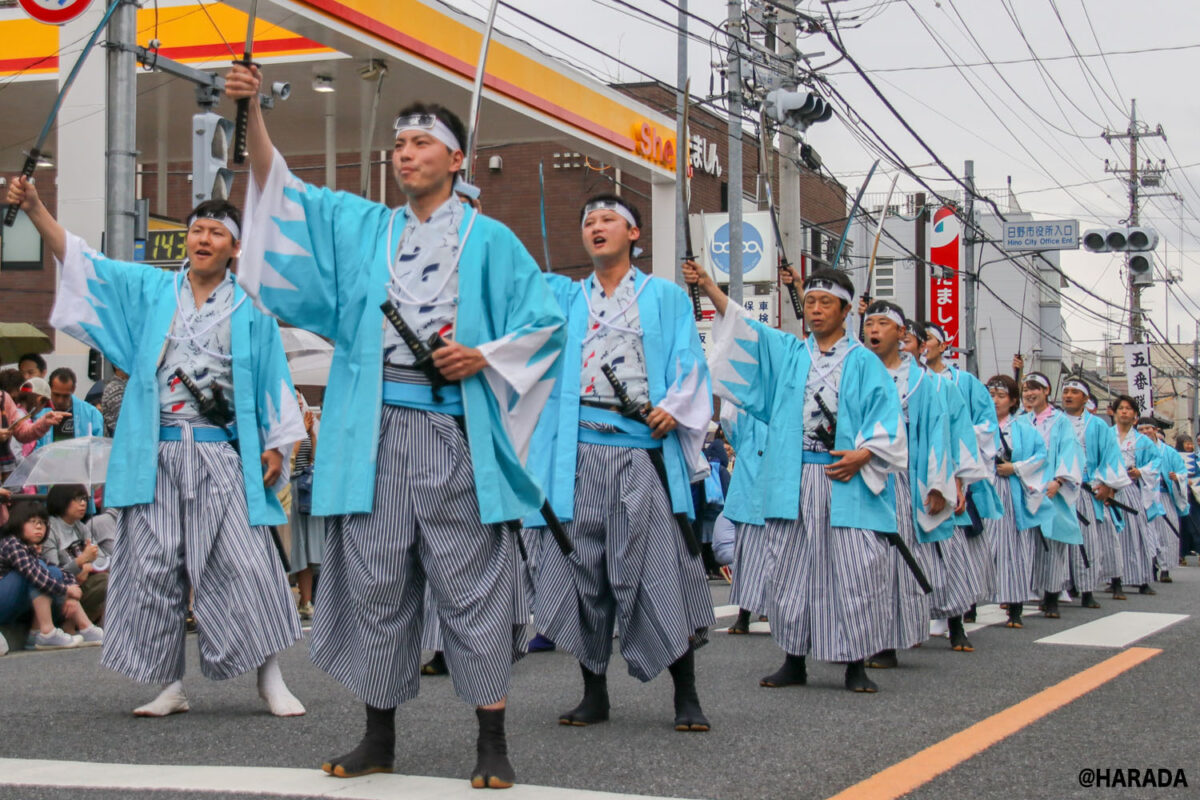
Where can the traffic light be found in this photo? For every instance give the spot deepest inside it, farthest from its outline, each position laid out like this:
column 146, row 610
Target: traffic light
column 798, row 109
column 1139, row 242
column 95, row 369
column 211, row 176
column 1141, row 269
column 1120, row 240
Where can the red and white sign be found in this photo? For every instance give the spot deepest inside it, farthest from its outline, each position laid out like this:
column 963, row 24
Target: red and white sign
column 55, row 12
column 944, row 251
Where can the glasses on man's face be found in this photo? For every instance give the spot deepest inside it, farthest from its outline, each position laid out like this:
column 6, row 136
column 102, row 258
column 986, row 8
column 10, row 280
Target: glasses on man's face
column 423, row 121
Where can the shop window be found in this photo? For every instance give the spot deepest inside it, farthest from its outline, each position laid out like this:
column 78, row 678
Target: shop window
column 21, row 246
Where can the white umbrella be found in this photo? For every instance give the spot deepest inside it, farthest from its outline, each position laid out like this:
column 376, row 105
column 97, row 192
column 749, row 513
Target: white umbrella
column 82, row 460
column 308, row 356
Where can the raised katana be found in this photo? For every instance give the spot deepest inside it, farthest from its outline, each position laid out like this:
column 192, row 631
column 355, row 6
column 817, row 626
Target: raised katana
column 243, row 106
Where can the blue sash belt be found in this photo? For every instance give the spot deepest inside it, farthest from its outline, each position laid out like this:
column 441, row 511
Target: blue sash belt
column 420, row 396
column 174, row 434
column 629, row 433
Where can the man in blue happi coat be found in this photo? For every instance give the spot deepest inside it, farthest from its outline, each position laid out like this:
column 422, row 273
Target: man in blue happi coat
column 835, row 436
column 428, row 416
column 195, row 489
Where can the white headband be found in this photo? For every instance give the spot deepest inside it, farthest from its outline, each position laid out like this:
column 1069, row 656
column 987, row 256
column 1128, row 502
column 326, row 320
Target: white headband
column 888, row 313
column 936, row 332
column 620, row 209
column 1078, row 386
column 1040, row 380
column 229, row 224
column 829, row 287
column 428, row 123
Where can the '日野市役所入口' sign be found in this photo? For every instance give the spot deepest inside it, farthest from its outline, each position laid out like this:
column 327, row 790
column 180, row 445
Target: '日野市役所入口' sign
column 1051, row 234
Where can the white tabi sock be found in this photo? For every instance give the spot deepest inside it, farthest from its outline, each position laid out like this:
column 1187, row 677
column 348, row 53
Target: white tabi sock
column 274, row 691
column 171, row 700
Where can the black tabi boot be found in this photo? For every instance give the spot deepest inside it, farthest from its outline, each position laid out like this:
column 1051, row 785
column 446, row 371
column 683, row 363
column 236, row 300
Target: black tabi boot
column 1088, row 600
column 884, row 659
column 743, row 622
column 1164, row 576
column 688, row 714
column 1050, row 605
column 857, row 680
column 1146, row 588
column 958, row 636
column 594, row 706
column 792, row 673
column 492, row 770
column 1118, row 592
column 970, row 615
column 435, row 665
column 1014, row 616
column 375, row 753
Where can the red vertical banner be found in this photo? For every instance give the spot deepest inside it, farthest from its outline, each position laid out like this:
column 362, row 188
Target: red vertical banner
column 945, row 252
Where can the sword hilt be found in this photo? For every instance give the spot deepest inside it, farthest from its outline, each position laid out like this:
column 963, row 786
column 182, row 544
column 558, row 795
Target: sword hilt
column 10, row 215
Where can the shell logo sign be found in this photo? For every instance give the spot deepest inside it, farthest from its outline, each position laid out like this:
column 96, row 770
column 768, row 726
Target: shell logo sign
column 653, row 146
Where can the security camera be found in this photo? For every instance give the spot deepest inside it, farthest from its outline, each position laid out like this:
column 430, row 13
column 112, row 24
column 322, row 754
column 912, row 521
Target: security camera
column 281, row 89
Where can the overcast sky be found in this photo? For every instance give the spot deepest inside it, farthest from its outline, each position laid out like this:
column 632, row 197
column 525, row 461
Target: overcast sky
column 1039, row 123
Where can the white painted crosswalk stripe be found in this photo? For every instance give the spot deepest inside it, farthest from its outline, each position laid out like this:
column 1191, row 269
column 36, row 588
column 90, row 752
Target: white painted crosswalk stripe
column 272, row 781
column 1116, row 630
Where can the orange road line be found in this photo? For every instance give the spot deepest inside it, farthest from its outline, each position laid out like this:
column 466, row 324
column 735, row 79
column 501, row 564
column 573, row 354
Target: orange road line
column 917, row 770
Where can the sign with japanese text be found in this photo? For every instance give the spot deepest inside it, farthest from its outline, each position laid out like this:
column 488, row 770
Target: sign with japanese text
column 759, row 307
column 1050, row 234
column 944, row 251
column 1137, row 370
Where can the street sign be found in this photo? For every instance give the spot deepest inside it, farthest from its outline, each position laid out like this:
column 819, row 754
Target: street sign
column 945, row 250
column 758, row 246
column 1049, row 234
column 55, row 12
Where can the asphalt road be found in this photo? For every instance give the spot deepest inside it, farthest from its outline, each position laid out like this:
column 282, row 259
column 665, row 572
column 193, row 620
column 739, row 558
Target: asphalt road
column 809, row 742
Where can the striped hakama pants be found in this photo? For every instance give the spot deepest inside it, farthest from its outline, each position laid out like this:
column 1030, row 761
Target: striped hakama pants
column 1168, row 543
column 633, row 569
column 825, row 588
column 424, row 528
column 522, row 607
column 749, row 554
column 1097, row 536
column 1138, row 540
column 1111, row 556
column 1051, row 566
column 1014, row 551
column 907, row 604
column 948, row 567
column 196, row 534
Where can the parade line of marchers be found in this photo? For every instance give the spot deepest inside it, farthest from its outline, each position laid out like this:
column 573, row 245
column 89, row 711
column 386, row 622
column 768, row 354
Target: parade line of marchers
column 474, row 403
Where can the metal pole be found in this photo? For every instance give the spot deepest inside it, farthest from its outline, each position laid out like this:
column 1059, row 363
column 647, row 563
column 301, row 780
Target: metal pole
column 681, row 142
column 735, row 151
column 791, row 222
column 922, row 283
column 1196, row 382
column 1135, row 292
column 969, row 270
column 121, row 122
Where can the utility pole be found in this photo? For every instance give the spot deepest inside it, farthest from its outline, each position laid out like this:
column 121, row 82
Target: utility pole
column 922, row 279
column 682, row 145
column 969, row 277
column 791, row 223
column 1196, row 382
column 735, row 150
column 1131, row 176
column 121, row 122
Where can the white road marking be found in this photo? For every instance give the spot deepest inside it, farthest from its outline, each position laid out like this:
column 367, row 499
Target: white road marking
column 271, row 781
column 986, row 616
column 1116, row 630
